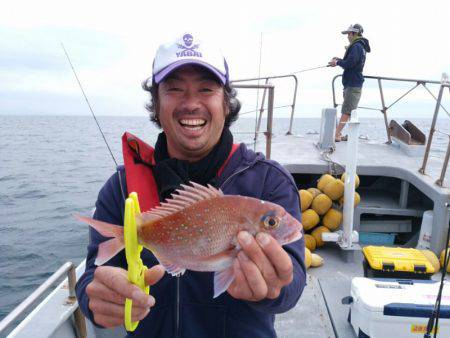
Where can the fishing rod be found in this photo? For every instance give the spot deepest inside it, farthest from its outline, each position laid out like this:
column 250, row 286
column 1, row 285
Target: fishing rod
column 309, row 69
column 89, row 105
column 433, row 321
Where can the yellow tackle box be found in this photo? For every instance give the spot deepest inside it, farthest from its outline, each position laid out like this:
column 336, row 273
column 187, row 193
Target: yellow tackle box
column 391, row 262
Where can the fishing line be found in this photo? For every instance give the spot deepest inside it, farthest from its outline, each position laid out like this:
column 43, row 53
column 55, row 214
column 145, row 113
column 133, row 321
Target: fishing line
column 308, row 69
column 89, row 105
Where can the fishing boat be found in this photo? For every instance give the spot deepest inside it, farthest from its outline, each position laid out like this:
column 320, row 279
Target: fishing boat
column 400, row 184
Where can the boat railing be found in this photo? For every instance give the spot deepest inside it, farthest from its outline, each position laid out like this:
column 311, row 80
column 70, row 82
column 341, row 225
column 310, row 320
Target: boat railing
column 66, row 269
column 267, row 87
column 440, row 180
column 293, row 77
column 384, row 108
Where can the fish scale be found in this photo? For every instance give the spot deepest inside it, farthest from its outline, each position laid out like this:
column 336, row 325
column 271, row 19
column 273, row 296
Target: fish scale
column 203, row 233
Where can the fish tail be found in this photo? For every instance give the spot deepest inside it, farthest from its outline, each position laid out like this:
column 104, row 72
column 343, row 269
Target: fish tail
column 107, row 249
column 105, row 229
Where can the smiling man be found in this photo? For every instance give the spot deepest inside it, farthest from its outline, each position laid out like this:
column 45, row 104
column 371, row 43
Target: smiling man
column 194, row 104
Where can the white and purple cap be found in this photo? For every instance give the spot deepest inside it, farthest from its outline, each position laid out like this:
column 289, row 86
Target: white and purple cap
column 188, row 49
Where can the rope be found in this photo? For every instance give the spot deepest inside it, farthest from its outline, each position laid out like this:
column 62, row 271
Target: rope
column 334, row 168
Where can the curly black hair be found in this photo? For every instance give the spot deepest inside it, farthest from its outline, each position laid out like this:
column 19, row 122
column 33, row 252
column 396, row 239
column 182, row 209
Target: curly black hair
column 233, row 104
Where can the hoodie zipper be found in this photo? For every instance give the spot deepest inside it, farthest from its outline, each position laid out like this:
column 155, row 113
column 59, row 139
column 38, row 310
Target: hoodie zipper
column 234, row 174
column 177, row 313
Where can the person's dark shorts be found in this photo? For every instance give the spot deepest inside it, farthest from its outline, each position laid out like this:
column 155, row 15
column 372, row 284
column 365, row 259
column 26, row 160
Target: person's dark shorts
column 351, row 99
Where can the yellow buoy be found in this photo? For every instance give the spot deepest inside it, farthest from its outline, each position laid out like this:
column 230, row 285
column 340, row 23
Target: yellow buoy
column 305, row 199
column 441, row 258
column 308, row 258
column 356, row 180
column 357, row 199
column 317, row 234
column 310, row 242
column 321, row 204
column 433, row 259
column 334, row 189
column 309, row 219
column 332, row 219
column 324, row 180
column 316, row 260
column 314, row 192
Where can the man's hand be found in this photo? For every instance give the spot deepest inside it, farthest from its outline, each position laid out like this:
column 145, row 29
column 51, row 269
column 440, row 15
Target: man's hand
column 333, row 62
column 110, row 287
column 262, row 268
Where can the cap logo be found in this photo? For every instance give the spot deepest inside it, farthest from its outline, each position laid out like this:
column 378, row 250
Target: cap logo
column 188, row 49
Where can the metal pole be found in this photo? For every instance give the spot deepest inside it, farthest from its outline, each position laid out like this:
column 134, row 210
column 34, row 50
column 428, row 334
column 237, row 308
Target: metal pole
column 269, row 121
column 293, row 106
column 350, row 178
column 261, row 111
column 22, row 307
column 432, row 130
column 440, row 181
column 80, row 322
column 334, row 91
column 403, row 202
column 384, row 111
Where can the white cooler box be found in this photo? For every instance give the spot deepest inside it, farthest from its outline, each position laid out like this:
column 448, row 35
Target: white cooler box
column 397, row 308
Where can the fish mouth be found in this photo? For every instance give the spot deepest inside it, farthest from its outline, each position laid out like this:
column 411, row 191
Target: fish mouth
column 292, row 237
column 292, row 229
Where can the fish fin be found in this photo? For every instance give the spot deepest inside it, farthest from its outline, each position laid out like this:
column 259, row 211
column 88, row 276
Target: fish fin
column 221, row 260
column 148, row 216
column 108, row 249
column 171, row 268
column 222, row 280
column 104, row 228
column 174, row 270
column 183, row 198
column 235, row 244
column 188, row 196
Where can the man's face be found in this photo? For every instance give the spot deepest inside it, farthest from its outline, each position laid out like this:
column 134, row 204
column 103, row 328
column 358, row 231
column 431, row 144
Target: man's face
column 191, row 109
column 350, row 36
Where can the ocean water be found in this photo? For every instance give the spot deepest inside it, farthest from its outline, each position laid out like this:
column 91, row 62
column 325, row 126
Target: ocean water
column 53, row 166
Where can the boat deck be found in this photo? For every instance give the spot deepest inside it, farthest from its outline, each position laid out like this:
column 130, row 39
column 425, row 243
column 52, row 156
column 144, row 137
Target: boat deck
column 299, row 154
column 320, row 312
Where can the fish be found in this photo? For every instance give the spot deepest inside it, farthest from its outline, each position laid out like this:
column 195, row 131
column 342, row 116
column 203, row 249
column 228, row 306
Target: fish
column 197, row 230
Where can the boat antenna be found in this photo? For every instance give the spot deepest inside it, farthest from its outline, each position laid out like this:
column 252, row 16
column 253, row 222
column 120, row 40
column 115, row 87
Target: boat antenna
column 309, row 69
column 89, row 105
column 257, row 93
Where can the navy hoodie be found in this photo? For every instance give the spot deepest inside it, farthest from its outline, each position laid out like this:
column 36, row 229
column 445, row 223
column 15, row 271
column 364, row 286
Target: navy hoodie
column 353, row 63
column 185, row 306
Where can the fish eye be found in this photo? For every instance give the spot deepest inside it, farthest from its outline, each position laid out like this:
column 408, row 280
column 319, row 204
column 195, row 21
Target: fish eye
column 271, row 222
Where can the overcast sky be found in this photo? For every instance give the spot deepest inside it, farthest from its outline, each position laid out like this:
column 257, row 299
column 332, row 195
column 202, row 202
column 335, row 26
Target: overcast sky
column 112, row 45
